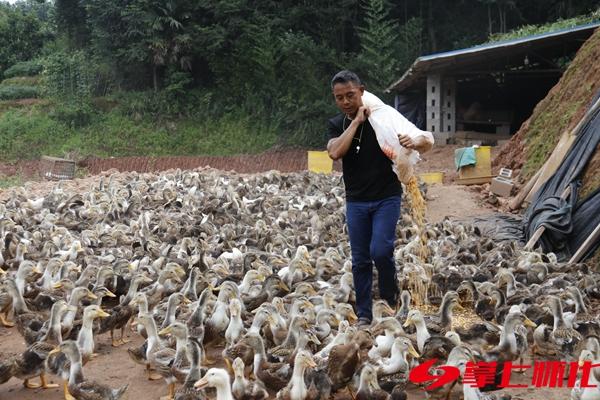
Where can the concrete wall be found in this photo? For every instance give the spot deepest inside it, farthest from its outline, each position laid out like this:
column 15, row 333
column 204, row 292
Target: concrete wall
column 441, row 107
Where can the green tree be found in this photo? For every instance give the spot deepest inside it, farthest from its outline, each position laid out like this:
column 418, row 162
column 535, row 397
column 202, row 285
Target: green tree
column 71, row 20
column 379, row 48
column 21, row 33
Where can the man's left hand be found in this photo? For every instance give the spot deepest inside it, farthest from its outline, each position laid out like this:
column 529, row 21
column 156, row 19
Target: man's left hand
column 406, row 141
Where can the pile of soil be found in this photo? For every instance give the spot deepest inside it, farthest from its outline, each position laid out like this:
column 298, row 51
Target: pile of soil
column 559, row 111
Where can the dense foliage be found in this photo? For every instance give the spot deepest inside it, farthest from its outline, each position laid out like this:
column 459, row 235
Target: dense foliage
column 264, row 64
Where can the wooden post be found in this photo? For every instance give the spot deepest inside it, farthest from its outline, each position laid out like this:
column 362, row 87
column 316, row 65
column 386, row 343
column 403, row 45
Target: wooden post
column 518, row 199
column 586, row 245
column 540, row 231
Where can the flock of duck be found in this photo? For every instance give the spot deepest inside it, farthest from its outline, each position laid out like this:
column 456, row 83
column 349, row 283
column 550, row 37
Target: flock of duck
column 255, row 270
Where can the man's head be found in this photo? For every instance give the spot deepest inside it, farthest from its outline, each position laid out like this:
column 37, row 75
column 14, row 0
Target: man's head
column 347, row 91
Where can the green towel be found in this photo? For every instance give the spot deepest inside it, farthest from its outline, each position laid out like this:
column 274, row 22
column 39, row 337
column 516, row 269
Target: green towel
column 464, row 156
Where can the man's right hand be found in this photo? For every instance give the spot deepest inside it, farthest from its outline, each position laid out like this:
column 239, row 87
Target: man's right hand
column 362, row 114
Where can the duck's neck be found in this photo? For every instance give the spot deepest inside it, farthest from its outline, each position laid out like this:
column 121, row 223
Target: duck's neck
column 377, row 314
column 170, row 313
column 76, row 371
column 19, row 304
column 474, row 292
column 301, row 343
column 181, row 345
column 239, row 382
column 446, row 314
column 69, row 317
column 271, row 290
column 162, row 278
column 236, row 320
column 133, row 288
column 298, row 386
column 20, row 254
column 558, row 315
column 224, row 391
column 62, row 273
column 404, row 308
column 363, row 386
column 143, row 306
column 471, row 392
column 20, row 280
column 508, row 340
column 396, row 362
column 323, row 325
column 292, row 334
column 345, row 287
column 54, row 334
column 258, row 322
column 84, row 279
column 259, row 356
column 189, row 288
column 580, row 306
column 245, row 285
column 198, row 314
column 101, row 278
column 194, row 373
column 85, row 338
column 153, row 339
column 87, row 323
column 510, row 285
column 422, row 333
column 500, row 299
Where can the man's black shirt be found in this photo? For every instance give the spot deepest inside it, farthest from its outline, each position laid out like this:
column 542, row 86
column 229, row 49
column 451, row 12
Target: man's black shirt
column 368, row 174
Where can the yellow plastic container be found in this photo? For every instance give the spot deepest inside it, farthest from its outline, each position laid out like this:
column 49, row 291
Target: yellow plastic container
column 480, row 172
column 319, row 162
column 432, row 177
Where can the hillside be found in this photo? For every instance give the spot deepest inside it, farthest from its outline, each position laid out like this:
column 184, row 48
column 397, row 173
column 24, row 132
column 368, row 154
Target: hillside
column 561, row 110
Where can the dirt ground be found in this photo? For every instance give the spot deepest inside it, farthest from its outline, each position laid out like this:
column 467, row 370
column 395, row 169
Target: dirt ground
column 114, row 367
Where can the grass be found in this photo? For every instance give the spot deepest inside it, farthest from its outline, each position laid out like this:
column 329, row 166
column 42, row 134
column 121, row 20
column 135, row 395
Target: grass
column 544, row 134
column 57, row 129
column 528, row 30
column 563, row 106
column 10, row 181
column 16, row 92
column 21, row 81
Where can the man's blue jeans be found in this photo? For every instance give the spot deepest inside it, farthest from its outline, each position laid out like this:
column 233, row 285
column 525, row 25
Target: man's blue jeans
column 372, row 230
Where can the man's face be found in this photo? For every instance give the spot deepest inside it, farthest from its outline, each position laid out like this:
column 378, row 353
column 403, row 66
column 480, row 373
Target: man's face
column 348, row 97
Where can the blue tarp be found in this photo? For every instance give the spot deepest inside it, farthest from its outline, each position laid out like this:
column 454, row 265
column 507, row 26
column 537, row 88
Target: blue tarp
column 464, row 156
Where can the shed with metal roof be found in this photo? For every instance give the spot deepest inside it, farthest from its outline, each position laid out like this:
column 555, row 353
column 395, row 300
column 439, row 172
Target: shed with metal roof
column 489, row 88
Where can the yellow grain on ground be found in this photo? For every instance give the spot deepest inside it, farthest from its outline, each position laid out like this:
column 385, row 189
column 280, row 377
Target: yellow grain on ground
column 463, row 319
column 417, row 207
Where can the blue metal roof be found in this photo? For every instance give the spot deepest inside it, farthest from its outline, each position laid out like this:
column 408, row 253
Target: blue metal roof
column 470, row 55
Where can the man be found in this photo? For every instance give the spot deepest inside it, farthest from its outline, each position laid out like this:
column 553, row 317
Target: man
column 373, row 191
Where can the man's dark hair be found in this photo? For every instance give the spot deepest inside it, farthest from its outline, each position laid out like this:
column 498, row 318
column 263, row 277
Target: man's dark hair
column 344, row 77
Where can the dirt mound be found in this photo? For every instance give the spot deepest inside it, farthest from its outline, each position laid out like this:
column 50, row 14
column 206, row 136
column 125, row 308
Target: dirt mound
column 560, row 110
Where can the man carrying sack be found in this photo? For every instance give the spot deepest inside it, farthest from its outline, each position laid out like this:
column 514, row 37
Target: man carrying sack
column 371, row 161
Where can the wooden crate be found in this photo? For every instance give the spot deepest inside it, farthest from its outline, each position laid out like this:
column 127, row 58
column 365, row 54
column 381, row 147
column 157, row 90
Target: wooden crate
column 56, row 169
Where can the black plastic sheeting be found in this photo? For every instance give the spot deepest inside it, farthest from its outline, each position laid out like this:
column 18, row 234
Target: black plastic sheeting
column 412, row 106
column 568, row 222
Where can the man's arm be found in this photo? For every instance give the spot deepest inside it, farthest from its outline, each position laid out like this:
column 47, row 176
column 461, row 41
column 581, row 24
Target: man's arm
column 339, row 146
